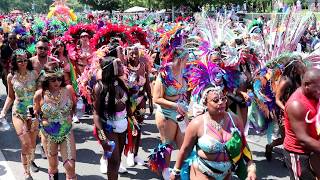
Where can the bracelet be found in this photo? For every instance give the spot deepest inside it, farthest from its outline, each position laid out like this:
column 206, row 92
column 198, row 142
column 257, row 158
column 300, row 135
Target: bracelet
column 176, row 171
column 102, row 135
column 252, row 167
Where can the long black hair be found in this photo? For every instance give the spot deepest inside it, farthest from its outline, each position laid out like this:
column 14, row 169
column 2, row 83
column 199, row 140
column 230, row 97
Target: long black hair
column 14, row 64
column 292, row 71
column 55, row 50
column 108, row 87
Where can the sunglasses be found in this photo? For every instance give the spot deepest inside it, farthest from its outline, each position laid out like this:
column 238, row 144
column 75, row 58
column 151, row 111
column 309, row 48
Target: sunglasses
column 43, row 48
column 54, row 79
column 22, row 61
column 84, row 36
column 222, row 99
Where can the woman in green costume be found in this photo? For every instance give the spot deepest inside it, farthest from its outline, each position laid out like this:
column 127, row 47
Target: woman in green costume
column 21, row 89
column 55, row 104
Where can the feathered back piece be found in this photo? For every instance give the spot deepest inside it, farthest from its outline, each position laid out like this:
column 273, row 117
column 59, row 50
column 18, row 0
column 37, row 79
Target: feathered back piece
column 203, row 74
column 286, row 34
column 139, row 35
column 170, row 41
column 72, row 37
column 60, row 10
column 119, row 32
column 212, row 34
column 75, row 31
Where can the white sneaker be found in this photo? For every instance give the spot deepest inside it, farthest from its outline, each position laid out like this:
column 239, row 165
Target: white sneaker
column 75, row 119
column 122, row 169
column 166, row 174
column 139, row 161
column 103, row 165
column 130, row 159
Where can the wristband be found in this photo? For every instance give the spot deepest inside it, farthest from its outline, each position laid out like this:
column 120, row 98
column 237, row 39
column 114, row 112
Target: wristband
column 252, row 167
column 176, row 171
column 102, row 135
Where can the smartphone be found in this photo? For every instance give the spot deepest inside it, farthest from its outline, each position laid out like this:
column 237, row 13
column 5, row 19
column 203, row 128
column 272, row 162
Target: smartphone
column 31, row 111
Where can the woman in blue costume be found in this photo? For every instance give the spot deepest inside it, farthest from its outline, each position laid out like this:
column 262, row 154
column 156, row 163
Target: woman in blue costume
column 170, row 94
column 55, row 104
column 210, row 133
column 22, row 85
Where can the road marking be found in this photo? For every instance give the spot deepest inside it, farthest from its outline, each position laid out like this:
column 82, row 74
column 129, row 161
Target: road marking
column 5, row 173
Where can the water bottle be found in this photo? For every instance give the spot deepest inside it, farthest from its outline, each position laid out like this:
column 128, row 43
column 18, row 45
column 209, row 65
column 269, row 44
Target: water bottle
column 80, row 107
column 5, row 126
column 132, row 78
column 107, row 154
column 181, row 123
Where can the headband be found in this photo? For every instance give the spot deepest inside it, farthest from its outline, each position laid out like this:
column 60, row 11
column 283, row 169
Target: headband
column 20, row 52
column 206, row 92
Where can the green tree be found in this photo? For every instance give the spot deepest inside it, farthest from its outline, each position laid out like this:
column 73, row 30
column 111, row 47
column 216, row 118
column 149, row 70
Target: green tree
column 108, row 5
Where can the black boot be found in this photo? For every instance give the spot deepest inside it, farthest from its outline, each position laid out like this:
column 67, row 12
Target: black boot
column 268, row 152
column 34, row 167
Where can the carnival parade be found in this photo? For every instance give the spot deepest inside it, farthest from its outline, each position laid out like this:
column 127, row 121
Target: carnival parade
column 195, row 93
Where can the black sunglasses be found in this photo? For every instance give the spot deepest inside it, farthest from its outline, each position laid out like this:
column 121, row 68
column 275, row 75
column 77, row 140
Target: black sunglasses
column 43, row 48
column 54, row 79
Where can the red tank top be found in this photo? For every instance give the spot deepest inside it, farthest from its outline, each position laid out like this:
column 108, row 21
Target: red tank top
column 291, row 142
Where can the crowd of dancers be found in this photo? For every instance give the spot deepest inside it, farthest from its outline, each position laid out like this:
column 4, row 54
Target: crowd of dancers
column 213, row 81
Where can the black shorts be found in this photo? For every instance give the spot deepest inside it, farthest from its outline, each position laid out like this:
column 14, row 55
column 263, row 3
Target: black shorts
column 298, row 165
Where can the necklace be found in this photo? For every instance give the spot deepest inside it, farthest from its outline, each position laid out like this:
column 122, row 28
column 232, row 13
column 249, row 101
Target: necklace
column 214, row 123
column 134, row 68
column 22, row 78
column 54, row 99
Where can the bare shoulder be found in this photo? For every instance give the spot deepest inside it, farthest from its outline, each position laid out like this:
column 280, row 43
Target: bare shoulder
column 9, row 77
column 38, row 94
column 69, row 88
column 295, row 108
column 197, row 121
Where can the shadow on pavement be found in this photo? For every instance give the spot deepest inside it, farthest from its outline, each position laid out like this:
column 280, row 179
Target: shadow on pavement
column 141, row 174
column 148, row 143
column 88, row 156
column 91, row 177
column 3, row 170
column 275, row 167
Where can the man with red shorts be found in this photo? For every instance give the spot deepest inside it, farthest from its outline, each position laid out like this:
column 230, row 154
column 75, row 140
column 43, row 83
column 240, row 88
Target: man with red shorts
column 301, row 138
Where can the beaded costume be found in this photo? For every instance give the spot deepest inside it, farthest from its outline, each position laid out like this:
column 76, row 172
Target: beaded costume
column 24, row 88
column 57, row 111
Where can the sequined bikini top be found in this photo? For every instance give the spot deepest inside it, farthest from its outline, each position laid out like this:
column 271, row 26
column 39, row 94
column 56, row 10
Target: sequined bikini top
column 57, row 109
column 24, row 86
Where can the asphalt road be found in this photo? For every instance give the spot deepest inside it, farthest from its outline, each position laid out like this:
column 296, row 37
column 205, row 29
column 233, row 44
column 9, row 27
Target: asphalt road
column 89, row 153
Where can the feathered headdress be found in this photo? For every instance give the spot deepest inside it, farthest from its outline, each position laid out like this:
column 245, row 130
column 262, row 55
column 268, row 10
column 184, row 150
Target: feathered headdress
column 170, row 41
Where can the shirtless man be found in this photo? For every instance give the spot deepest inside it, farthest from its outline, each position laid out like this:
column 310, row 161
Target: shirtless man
column 42, row 48
column 301, row 139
